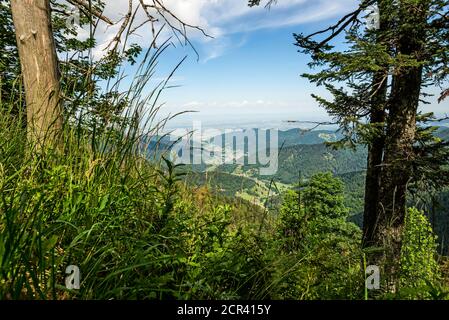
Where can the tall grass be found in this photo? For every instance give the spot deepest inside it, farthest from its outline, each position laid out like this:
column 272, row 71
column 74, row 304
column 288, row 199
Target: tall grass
column 94, row 204
column 126, row 222
column 104, row 204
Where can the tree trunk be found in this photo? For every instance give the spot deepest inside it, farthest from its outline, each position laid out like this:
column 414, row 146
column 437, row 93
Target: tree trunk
column 400, row 134
column 39, row 66
column 374, row 162
column 377, row 144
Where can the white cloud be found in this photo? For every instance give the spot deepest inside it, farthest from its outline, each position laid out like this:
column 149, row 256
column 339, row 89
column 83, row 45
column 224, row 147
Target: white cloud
column 236, row 104
column 193, row 104
column 219, row 46
column 222, row 18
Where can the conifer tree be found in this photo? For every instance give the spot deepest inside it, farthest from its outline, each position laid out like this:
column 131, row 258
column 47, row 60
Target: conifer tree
column 378, row 83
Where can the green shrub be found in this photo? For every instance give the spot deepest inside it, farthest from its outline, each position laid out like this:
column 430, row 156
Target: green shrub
column 321, row 254
column 419, row 270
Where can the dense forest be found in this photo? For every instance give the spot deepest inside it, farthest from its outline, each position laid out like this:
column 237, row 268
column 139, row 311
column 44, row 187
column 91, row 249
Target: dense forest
column 87, row 180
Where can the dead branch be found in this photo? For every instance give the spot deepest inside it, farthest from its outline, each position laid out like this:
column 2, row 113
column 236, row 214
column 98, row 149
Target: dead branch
column 444, row 95
column 339, row 27
column 155, row 10
column 85, row 5
column 126, row 21
column 316, row 124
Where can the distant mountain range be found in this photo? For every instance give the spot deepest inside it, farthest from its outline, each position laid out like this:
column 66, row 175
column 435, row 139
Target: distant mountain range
column 304, row 160
column 295, row 137
column 302, row 154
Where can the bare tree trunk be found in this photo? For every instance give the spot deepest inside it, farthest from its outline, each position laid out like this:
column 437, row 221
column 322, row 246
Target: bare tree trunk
column 39, row 64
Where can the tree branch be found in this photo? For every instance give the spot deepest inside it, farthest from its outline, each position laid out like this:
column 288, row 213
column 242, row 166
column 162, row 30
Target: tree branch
column 85, row 5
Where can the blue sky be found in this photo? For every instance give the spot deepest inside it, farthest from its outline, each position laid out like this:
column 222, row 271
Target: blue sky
column 250, row 72
column 247, row 77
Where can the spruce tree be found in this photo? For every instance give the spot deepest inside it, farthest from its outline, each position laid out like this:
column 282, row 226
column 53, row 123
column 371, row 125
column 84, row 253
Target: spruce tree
column 378, row 82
